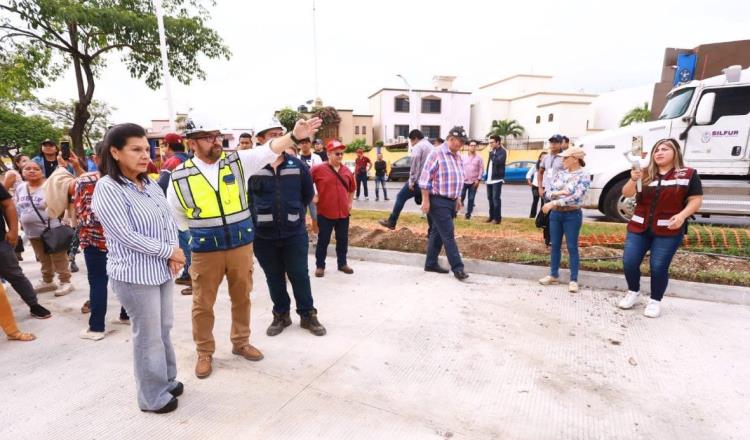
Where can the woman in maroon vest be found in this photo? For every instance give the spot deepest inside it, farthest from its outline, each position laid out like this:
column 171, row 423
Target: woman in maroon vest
column 671, row 193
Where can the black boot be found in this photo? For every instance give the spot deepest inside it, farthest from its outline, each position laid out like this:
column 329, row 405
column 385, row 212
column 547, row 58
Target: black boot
column 73, row 265
column 310, row 322
column 280, row 320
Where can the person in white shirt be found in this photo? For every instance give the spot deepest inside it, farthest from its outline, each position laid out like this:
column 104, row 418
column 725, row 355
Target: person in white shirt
column 532, row 179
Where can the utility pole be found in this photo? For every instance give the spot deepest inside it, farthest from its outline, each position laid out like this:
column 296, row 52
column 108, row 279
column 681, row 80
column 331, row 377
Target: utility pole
column 165, row 64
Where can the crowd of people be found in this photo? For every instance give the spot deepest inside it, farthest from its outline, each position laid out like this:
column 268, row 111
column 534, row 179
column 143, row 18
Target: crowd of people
column 207, row 213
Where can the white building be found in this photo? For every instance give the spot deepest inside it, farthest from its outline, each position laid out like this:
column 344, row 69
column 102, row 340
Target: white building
column 435, row 113
column 543, row 112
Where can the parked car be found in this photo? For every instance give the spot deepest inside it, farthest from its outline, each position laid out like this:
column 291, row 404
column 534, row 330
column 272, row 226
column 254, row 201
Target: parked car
column 516, row 171
column 400, row 169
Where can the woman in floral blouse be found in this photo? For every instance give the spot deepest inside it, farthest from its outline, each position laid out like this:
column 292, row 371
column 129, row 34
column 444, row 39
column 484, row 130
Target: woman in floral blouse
column 565, row 217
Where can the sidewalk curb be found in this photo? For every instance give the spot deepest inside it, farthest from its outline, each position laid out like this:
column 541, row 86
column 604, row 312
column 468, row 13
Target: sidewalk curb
column 598, row 280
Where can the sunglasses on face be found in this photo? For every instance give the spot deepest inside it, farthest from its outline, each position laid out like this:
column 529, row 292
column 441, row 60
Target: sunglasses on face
column 338, row 154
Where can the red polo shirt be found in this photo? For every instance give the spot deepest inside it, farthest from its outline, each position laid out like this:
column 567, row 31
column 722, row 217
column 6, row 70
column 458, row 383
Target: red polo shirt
column 333, row 198
column 360, row 164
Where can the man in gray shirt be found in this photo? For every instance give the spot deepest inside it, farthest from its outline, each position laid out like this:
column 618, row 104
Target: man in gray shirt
column 420, row 149
column 550, row 166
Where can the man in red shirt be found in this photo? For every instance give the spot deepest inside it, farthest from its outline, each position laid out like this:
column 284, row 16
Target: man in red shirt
column 175, row 151
column 361, row 166
column 335, row 190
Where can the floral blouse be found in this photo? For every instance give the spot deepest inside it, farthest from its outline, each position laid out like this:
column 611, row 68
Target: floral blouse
column 569, row 188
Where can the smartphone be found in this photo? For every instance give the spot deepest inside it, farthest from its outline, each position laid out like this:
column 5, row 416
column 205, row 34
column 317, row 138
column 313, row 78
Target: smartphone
column 65, row 150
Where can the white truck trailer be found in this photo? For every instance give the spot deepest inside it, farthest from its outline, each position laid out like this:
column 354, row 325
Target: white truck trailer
column 711, row 121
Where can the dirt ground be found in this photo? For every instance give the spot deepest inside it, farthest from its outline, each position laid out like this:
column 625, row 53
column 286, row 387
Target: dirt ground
column 686, row 266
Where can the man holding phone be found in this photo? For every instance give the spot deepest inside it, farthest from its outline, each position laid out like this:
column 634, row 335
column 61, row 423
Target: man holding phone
column 47, row 158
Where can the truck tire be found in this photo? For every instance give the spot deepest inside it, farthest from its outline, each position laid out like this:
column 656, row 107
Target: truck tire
column 616, row 207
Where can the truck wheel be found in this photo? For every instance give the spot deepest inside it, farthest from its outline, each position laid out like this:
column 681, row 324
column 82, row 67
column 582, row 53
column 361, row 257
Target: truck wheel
column 616, row 207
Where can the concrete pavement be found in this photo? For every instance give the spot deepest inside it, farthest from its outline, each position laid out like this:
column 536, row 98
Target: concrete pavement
column 408, row 355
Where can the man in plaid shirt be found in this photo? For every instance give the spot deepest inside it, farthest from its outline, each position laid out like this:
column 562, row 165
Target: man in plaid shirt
column 441, row 183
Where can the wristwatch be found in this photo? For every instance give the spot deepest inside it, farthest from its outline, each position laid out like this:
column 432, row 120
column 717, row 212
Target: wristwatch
column 294, row 139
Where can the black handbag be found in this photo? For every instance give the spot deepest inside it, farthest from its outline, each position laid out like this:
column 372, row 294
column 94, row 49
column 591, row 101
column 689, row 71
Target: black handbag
column 55, row 239
column 542, row 219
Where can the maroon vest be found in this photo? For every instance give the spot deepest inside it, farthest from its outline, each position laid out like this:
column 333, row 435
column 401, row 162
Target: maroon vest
column 659, row 201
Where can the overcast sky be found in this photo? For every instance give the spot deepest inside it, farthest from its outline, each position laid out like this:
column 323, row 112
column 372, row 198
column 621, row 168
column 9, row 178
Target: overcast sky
column 587, row 45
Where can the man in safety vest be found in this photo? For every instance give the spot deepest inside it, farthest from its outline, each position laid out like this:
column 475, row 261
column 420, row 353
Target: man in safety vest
column 208, row 195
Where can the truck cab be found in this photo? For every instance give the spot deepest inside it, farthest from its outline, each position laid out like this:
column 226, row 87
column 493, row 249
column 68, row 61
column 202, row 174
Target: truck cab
column 711, row 121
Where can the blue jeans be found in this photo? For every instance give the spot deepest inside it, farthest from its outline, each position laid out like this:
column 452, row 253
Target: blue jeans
column 184, row 242
column 401, row 198
column 151, row 318
column 282, row 258
column 442, row 234
column 566, row 223
column 380, row 180
column 96, row 266
column 472, row 191
column 493, row 196
column 362, row 182
column 327, row 226
column 662, row 249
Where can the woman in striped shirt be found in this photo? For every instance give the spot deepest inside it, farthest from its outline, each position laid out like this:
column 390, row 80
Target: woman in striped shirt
column 144, row 255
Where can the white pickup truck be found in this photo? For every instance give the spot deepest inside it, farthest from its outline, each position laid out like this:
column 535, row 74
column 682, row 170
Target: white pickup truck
column 711, row 121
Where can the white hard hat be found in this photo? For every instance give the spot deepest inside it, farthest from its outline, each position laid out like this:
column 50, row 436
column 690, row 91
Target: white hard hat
column 273, row 123
column 198, row 125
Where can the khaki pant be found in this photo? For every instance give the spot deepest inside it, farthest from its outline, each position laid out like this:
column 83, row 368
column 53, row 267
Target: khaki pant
column 7, row 320
column 51, row 263
column 207, row 271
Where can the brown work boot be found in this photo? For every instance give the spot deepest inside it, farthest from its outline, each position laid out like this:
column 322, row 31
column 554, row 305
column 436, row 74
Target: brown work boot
column 248, row 352
column 310, row 322
column 346, row 269
column 280, row 320
column 319, row 272
column 203, row 366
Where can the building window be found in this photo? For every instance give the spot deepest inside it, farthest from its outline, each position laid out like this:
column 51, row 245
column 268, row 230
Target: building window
column 550, row 117
column 364, row 129
column 431, row 105
column 400, row 130
column 356, row 129
column 401, row 104
column 538, row 119
column 431, row 131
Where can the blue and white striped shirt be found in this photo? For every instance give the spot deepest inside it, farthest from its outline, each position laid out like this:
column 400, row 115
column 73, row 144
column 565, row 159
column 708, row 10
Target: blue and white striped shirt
column 139, row 230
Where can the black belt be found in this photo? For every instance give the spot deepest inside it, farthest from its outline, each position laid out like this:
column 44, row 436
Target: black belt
column 443, row 197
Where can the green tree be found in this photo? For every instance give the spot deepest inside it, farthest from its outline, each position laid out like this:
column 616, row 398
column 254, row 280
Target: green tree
column 23, row 69
column 83, row 34
column 63, row 116
column 25, row 133
column 638, row 114
column 505, row 128
column 288, row 117
column 356, row 144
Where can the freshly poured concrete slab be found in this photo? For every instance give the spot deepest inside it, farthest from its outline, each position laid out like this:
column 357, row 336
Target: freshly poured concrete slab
column 408, row 355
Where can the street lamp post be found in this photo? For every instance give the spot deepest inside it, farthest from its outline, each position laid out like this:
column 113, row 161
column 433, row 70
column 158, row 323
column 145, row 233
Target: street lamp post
column 165, row 63
column 412, row 104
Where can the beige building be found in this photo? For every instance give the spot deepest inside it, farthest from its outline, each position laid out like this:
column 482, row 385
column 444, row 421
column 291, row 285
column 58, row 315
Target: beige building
column 352, row 126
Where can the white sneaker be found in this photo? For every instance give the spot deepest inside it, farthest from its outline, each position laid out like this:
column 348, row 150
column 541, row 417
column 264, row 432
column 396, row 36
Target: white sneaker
column 653, row 309
column 367, row 199
column 548, row 280
column 573, row 287
column 64, row 289
column 88, row 334
column 629, row 300
column 42, row 287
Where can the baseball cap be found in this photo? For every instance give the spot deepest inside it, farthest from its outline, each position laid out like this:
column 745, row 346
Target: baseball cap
column 335, row 145
column 459, row 133
column 172, row 138
column 573, row 151
column 557, row 139
column 48, row 141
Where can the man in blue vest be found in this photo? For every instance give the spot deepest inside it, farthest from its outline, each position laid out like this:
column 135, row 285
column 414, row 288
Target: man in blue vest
column 281, row 192
column 208, row 195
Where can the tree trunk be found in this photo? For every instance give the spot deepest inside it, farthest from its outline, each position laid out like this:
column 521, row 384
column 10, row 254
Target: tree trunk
column 80, row 118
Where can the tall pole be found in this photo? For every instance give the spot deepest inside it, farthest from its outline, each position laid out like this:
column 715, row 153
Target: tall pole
column 165, row 64
column 315, row 51
column 412, row 105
